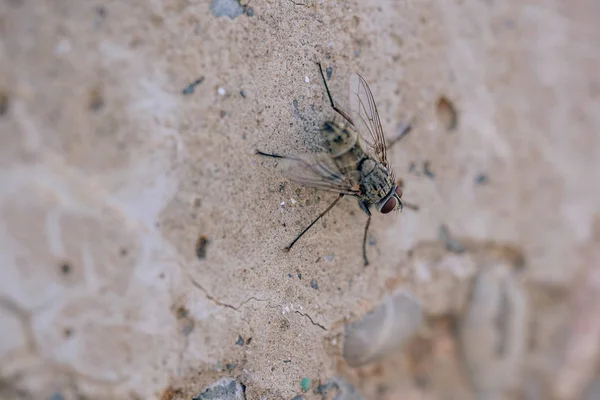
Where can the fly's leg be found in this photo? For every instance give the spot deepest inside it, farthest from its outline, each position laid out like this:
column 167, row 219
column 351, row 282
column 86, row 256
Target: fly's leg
column 413, row 207
column 287, row 248
column 405, row 130
column 312, row 223
column 272, row 155
column 335, row 108
column 364, row 246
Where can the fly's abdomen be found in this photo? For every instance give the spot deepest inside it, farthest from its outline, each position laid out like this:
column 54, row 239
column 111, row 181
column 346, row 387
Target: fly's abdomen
column 338, row 139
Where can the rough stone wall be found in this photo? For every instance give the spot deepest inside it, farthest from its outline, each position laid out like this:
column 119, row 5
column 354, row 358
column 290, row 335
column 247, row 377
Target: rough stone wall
column 142, row 238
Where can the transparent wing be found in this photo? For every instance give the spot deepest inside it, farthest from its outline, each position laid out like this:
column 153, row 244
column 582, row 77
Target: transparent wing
column 320, row 172
column 366, row 118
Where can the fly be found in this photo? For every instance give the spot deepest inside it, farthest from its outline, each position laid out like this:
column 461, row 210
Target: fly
column 355, row 161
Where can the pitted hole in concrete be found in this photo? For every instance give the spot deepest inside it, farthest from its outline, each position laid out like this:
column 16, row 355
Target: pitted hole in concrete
column 68, row 332
column 95, row 98
column 447, row 113
column 65, row 268
column 4, row 102
column 201, row 245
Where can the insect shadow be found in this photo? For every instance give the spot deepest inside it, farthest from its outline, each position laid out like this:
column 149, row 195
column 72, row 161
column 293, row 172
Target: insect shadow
column 354, row 162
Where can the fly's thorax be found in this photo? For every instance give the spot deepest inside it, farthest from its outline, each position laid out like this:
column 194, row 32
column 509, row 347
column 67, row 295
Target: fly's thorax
column 376, row 180
column 349, row 161
column 339, row 139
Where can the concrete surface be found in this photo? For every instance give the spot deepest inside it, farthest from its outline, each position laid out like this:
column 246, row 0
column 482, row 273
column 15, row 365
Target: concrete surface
column 142, row 237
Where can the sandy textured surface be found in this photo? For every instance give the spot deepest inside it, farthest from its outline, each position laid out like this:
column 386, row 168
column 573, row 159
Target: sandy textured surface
column 142, row 238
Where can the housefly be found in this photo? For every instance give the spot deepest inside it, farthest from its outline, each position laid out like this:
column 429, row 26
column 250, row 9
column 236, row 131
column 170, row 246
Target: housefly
column 354, row 162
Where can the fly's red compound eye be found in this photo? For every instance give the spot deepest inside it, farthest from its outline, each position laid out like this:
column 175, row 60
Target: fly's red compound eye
column 389, row 205
column 399, row 192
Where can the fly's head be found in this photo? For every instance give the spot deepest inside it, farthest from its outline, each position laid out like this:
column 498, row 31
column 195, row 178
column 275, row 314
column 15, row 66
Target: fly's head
column 391, row 202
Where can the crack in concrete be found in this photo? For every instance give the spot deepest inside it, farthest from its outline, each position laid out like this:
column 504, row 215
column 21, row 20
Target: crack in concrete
column 44, row 363
column 220, row 303
column 24, row 317
column 311, row 320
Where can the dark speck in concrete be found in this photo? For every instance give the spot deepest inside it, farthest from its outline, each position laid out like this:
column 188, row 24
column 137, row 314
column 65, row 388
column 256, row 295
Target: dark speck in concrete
column 65, row 268
column 314, row 284
column 453, row 245
column 101, row 11
column 230, row 366
column 372, row 240
column 240, row 341
column 296, row 109
column 95, row 98
column 189, row 89
column 3, row 102
column 329, row 71
column 427, row 170
column 226, row 8
column 201, row 245
column 412, row 167
column 481, row 179
column 249, row 11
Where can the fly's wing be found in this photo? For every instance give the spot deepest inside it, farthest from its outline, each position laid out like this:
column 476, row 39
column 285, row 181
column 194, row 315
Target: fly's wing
column 320, row 172
column 366, row 118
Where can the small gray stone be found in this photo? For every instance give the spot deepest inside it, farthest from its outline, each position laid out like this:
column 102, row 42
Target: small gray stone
column 329, row 258
column 338, row 389
column 223, row 389
column 226, row 8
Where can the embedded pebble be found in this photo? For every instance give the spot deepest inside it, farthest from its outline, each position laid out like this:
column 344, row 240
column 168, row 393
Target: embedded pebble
column 305, row 384
column 338, row 389
column 329, row 72
column 329, row 258
column 493, row 331
column 223, row 389
column 226, row 8
column 383, row 329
